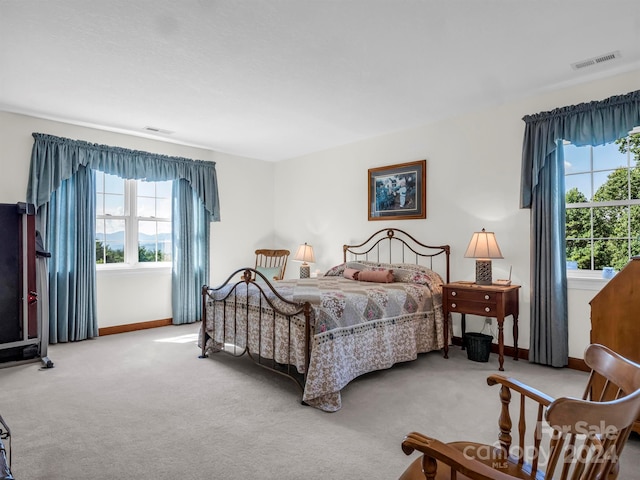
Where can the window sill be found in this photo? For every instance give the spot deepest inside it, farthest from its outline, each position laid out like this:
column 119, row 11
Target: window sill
column 114, row 270
column 586, row 281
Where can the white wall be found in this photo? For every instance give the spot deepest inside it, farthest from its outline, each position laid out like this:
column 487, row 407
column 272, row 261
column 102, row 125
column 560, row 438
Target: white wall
column 246, row 198
column 473, row 182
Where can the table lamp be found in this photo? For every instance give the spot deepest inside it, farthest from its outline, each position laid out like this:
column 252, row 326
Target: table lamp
column 483, row 247
column 304, row 255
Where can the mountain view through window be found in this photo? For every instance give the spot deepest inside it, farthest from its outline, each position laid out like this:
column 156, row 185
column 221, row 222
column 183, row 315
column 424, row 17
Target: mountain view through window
column 133, row 220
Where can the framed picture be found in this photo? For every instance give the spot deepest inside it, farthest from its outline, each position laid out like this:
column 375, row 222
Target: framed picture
column 398, row 192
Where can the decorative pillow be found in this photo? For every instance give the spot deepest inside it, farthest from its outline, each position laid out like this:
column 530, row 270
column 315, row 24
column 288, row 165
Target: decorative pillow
column 412, row 276
column 403, row 275
column 335, row 271
column 271, row 273
column 402, row 272
column 371, row 265
column 361, row 265
column 338, row 270
column 410, row 266
column 379, row 276
column 351, row 273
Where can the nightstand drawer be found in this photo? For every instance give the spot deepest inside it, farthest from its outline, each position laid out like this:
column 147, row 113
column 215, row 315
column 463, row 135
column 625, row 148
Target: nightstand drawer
column 474, row 296
column 471, row 307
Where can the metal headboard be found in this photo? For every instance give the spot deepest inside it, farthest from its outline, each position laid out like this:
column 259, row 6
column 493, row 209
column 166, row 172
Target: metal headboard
column 392, row 245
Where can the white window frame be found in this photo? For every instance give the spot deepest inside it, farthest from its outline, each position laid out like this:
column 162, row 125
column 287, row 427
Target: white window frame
column 592, row 279
column 131, row 219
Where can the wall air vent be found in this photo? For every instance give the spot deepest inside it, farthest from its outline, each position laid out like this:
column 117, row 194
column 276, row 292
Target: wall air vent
column 607, row 57
column 157, row 130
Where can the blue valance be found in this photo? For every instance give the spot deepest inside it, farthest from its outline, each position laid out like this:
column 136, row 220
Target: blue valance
column 55, row 159
column 592, row 123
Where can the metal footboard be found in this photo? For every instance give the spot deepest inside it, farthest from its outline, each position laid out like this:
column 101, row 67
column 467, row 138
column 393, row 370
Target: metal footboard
column 250, row 316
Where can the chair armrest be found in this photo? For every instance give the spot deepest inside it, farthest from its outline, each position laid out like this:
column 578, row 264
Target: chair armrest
column 526, row 390
column 452, row 457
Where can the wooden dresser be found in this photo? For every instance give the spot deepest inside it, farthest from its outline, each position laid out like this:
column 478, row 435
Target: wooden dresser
column 615, row 314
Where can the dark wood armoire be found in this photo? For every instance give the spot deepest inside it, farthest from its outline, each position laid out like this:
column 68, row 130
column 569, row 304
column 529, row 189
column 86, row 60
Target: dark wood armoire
column 615, row 314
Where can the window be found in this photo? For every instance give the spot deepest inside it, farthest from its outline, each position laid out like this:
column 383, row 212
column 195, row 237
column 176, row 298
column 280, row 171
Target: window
column 602, row 188
column 133, row 221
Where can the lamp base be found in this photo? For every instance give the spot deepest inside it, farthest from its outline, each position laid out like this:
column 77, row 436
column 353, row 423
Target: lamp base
column 483, row 272
column 305, row 271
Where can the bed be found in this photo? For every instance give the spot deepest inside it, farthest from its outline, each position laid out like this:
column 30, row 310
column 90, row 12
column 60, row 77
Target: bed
column 380, row 306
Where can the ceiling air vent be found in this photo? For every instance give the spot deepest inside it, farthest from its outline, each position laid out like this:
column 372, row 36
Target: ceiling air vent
column 158, row 130
column 607, row 57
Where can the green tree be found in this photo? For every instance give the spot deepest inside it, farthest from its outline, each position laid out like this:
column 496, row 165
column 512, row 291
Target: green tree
column 578, row 230
column 622, row 223
column 106, row 252
column 611, row 224
column 117, row 256
column 145, row 255
column 631, row 144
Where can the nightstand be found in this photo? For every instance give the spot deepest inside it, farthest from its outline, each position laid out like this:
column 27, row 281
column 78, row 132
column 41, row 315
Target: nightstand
column 494, row 301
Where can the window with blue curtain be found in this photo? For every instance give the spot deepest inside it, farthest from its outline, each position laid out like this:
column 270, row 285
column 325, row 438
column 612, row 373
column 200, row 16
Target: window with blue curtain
column 62, row 187
column 543, row 192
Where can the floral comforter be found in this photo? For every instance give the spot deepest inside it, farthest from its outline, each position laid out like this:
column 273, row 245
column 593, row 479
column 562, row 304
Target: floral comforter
column 359, row 326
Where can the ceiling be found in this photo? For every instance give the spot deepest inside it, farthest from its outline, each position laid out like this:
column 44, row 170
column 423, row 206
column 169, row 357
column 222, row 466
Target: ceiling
column 277, row 79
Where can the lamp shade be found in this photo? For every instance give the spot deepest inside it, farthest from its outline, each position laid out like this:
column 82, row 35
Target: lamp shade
column 483, row 245
column 304, row 255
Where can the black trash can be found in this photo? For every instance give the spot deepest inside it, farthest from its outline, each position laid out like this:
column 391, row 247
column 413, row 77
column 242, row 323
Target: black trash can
column 478, row 346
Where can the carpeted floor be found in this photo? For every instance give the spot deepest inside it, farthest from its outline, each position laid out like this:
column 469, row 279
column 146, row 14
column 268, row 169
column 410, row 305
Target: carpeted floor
column 142, row 405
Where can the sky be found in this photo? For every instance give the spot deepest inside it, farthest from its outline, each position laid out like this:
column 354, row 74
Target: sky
column 577, row 164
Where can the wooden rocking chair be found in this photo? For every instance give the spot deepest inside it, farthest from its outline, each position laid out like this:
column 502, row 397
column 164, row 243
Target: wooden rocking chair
column 272, row 263
column 570, row 439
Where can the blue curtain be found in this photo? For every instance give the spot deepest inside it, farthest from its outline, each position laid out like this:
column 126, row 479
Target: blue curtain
column 542, row 190
column 190, row 252
column 72, row 278
column 62, row 188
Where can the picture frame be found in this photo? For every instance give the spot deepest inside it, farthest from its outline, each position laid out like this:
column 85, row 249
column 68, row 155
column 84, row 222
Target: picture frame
column 398, row 192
